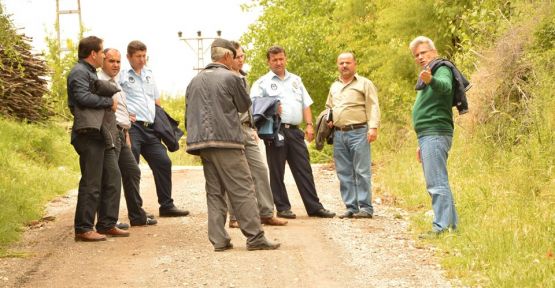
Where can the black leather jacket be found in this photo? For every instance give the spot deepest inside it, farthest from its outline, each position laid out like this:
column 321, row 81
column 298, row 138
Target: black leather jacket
column 91, row 112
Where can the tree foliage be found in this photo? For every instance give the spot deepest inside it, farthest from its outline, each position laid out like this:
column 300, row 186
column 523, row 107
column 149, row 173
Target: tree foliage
column 314, row 32
column 60, row 63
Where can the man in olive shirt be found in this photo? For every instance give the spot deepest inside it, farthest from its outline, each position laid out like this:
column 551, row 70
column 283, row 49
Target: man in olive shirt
column 356, row 116
column 432, row 117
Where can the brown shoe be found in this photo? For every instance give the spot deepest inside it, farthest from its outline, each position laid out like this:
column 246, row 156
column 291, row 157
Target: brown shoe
column 89, row 236
column 273, row 221
column 234, row 224
column 115, row 232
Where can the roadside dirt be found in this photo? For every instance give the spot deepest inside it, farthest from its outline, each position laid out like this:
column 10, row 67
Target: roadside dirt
column 315, row 252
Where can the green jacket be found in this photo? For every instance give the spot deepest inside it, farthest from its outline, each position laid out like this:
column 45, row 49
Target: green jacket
column 432, row 112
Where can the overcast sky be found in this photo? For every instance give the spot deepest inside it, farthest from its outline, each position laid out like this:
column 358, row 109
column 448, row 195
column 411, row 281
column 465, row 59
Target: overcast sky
column 156, row 23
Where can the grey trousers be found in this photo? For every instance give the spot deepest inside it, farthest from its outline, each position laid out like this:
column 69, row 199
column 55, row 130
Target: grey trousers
column 259, row 173
column 226, row 170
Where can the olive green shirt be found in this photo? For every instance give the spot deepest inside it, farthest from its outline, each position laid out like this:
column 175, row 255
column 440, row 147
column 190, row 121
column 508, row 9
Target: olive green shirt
column 354, row 103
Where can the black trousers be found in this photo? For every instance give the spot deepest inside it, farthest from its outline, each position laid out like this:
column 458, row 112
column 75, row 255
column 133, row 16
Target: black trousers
column 131, row 178
column 144, row 142
column 295, row 152
column 100, row 184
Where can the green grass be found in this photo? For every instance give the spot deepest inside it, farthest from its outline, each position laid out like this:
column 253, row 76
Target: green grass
column 506, row 204
column 175, row 106
column 37, row 164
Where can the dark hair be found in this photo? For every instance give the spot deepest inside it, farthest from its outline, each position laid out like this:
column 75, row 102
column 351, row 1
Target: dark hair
column 135, row 46
column 87, row 45
column 275, row 50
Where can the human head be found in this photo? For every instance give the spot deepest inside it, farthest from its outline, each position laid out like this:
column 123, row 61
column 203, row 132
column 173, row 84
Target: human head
column 112, row 62
column 347, row 65
column 136, row 55
column 277, row 60
column 239, row 60
column 222, row 51
column 423, row 50
column 90, row 50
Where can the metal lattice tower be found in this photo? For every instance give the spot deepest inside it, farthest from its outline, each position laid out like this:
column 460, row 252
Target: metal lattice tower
column 199, row 46
column 66, row 12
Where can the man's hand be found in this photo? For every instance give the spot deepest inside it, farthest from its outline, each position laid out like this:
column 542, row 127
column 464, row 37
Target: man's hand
column 426, row 75
column 418, row 155
column 330, row 124
column 309, row 133
column 279, row 109
column 255, row 136
column 132, row 117
column 127, row 138
column 115, row 104
column 372, row 134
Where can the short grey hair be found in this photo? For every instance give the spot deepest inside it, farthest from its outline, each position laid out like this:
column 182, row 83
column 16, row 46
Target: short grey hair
column 421, row 40
column 218, row 53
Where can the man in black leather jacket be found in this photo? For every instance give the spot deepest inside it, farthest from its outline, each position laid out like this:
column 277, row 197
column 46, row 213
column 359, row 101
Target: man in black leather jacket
column 94, row 139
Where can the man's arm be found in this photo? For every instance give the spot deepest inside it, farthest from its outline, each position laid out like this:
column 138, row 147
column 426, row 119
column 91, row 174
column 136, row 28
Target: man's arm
column 240, row 95
column 442, row 80
column 309, row 132
column 329, row 104
column 372, row 111
column 79, row 86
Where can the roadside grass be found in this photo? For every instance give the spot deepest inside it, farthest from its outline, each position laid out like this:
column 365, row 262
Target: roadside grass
column 37, row 163
column 506, row 205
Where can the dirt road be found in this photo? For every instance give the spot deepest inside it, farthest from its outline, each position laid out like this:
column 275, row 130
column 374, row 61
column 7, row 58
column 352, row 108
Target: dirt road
column 176, row 253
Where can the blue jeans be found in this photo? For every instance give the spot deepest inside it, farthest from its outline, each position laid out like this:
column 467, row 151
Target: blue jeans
column 351, row 152
column 434, row 151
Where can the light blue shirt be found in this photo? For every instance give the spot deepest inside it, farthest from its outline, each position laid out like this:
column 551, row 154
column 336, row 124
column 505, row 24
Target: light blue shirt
column 290, row 91
column 141, row 92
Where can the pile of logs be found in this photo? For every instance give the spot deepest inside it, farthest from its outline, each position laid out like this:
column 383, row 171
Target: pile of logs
column 23, row 84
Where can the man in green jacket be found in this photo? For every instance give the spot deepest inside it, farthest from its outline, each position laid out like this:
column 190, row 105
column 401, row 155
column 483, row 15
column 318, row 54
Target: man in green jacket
column 432, row 118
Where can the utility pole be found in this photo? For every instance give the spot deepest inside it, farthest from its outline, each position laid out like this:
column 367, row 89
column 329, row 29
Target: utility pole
column 66, row 12
column 199, row 50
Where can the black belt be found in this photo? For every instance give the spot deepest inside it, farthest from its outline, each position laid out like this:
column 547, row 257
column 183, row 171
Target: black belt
column 144, row 124
column 351, row 127
column 289, row 126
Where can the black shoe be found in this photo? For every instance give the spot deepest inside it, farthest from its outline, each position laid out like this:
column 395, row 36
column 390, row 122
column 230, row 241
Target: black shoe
column 288, row 214
column 122, row 226
column 148, row 222
column 226, row 247
column 363, row 214
column 266, row 245
column 323, row 213
column 347, row 214
column 173, row 212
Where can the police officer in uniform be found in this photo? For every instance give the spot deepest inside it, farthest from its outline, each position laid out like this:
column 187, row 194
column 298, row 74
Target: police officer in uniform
column 295, row 105
column 142, row 94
